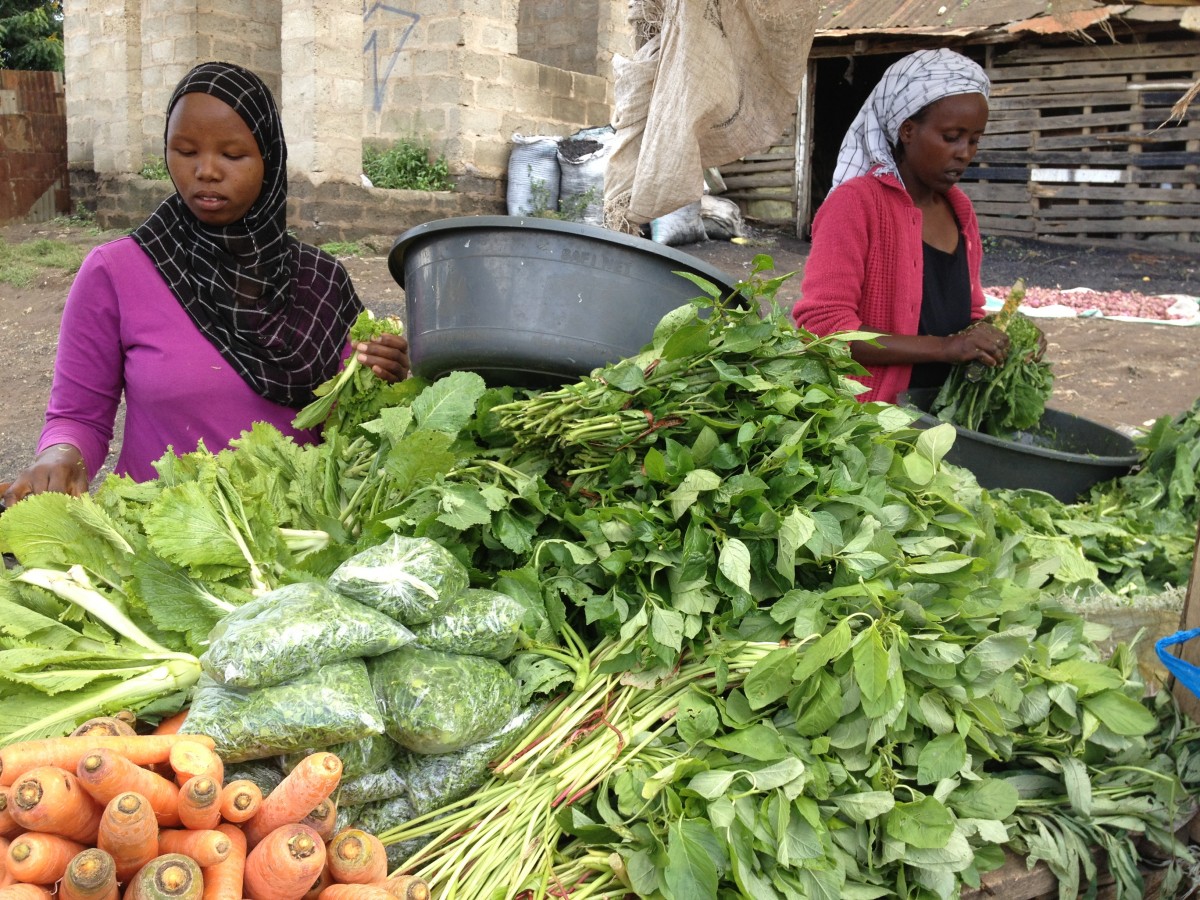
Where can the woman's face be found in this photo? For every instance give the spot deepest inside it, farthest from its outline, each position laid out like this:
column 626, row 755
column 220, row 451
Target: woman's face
column 940, row 144
column 213, row 159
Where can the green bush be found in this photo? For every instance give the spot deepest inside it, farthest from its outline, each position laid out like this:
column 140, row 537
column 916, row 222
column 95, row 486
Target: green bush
column 406, row 165
column 155, row 169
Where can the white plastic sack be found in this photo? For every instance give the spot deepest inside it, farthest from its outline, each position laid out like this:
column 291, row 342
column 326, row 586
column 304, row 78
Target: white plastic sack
column 533, row 175
column 582, row 160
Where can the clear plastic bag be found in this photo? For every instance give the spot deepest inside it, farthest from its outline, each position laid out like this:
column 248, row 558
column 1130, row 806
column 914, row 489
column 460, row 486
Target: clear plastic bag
column 293, row 629
column 478, row 622
column 435, row 702
column 410, row 579
column 331, row 705
column 371, row 754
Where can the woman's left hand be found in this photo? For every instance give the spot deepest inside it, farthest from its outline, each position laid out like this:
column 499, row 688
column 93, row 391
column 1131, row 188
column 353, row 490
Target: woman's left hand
column 386, row 356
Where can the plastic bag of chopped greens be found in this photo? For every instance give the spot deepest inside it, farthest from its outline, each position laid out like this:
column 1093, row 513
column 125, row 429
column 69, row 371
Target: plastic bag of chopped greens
column 478, row 622
column 265, row 773
column 435, row 781
column 372, row 754
column 292, row 629
column 370, row 787
column 410, row 579
column 330, row 705
column 378, row 817
column 436, row 702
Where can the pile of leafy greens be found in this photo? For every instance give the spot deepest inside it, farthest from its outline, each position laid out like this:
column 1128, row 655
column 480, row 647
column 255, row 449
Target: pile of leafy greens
column 794, row 653
column 1004, row 399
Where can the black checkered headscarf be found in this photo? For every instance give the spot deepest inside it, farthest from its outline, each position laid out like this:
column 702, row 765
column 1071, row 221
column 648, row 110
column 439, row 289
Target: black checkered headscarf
column 279, row 311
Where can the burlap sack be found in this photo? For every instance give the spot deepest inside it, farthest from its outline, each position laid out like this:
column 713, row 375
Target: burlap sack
column 713, row 81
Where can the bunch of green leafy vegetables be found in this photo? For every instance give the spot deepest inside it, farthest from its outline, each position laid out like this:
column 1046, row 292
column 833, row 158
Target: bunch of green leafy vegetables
column 794, row 654
column 1004, row 399
column 725, row 487
column 1135, row 532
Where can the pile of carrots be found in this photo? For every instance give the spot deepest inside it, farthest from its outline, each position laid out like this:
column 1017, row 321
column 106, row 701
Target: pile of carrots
column 109, row 814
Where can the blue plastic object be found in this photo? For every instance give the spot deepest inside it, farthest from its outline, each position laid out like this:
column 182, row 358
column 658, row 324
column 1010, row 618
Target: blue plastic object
column 1185, row 673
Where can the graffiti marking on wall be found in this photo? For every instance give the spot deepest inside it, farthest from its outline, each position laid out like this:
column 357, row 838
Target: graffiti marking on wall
column 381, row 35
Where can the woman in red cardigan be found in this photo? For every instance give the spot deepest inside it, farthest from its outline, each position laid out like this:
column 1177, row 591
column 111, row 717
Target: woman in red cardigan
column 895, row 246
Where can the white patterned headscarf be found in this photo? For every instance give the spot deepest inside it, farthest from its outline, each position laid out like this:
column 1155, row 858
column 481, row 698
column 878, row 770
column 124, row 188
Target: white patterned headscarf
column 907, row 87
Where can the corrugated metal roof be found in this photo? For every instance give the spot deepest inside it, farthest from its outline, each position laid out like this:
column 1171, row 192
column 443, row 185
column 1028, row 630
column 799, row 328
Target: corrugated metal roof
column 887, row 15
column 842, row 18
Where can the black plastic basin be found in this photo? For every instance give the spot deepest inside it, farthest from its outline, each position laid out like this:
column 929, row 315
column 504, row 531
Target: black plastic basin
column 531, row 301
column 1064, row 455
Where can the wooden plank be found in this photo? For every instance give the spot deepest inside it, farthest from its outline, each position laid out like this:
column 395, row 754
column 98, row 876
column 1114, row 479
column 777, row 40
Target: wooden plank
column 1124, row 118
column 1008, row 76
column 1190, row 650
column 1151, row 159
column 1021, row 227
column 1139, row 226
column 1127, row 211
column 785, row 178
column 998, row 193
column 1030, row 52
column 1146, row 194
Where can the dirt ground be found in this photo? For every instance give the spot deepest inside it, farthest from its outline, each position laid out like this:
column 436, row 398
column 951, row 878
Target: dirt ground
column 1117, row 373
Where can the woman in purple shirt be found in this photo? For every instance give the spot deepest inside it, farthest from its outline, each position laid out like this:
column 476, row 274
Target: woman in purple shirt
column 210, row 316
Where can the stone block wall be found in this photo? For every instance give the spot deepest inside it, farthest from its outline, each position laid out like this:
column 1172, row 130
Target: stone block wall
column 457, row 76
column 561, row 35
column 33, row 147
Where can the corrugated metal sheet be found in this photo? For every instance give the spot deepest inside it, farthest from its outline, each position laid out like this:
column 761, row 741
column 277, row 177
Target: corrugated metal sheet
column 847, row 17
column 857, row 15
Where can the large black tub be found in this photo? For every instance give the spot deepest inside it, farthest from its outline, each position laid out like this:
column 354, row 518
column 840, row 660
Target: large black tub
column 1064, row 455
column 533, row 301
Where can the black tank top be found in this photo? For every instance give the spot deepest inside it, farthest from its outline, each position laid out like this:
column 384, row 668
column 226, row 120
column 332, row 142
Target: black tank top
column 945, row 305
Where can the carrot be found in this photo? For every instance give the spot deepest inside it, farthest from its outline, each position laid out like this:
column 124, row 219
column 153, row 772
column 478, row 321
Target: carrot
column 105, row 773
column 171, row 724
column 407, row 887
column 190, row 758
column 91, row 875
column 206, row 846
column 37, row 858
column 341, row 891
column 129, row 833
column 65, row 752
column 51, row 800
column 200, row 803
column 357, row 857
column 323, row 881
column 171, row 876
column 20, row 891
column 323, row 819
column 313, row 779
column 240, row 799
column 224, row 880
column 5, row 877
column 284, row 864
column 107, row 726
column 9, row 827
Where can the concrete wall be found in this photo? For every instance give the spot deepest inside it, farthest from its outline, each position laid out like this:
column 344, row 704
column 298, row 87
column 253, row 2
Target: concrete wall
column 33, row 147
column 459, row 76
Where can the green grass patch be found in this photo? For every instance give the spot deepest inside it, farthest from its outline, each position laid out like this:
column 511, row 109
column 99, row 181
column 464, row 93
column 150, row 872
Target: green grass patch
column 406, row 165
column 155, row 169
column 343, row 249
column 20, row 264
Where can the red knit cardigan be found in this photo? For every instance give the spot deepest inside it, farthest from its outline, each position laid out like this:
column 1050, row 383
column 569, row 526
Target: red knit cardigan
column 865, row 267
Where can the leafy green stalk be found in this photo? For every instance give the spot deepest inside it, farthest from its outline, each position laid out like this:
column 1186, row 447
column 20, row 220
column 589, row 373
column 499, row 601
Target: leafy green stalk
column 135, row 689
column 74, row 587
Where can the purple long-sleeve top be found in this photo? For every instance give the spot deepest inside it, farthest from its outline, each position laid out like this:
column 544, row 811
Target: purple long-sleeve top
column 124, row 331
